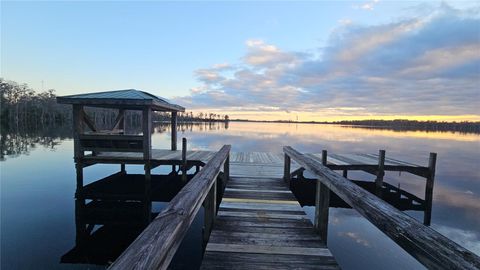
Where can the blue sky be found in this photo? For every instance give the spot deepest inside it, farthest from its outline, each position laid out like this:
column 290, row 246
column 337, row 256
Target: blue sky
column 323, row 59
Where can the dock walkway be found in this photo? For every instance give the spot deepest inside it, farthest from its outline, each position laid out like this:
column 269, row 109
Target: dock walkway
column 260, row 224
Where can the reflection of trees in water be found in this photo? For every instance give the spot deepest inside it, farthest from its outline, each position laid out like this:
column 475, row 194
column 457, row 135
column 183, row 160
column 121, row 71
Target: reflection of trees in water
column 15, row 142
column 161, row 127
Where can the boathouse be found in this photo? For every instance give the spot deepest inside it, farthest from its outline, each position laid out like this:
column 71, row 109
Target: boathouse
column 114, row 146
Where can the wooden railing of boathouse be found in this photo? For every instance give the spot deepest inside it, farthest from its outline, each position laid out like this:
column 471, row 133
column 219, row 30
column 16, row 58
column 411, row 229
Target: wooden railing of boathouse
column 155, row 247
column 429, row 247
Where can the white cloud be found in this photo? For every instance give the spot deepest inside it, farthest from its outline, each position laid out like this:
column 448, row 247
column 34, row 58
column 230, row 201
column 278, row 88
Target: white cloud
column 367, row 5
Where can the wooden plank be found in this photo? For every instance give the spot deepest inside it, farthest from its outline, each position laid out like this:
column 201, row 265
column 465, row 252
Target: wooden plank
column 246, row 200
column 428, row 246
column 262, row 214
column 268, row 249
column 261, row 206
column 258, row 190
column 260, row 240
column 234, row 260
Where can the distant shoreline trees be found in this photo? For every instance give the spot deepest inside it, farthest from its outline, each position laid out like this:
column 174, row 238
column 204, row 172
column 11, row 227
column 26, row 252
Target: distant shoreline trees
column 21, row 107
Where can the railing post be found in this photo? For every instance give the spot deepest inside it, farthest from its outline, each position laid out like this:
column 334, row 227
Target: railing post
column 432, row 161
column 209, row 205
column 147, row 204
column 286, row 170
column 174, row 131
column 226, row 169
column 184, row 159
column 322, row 203
column 380, row 172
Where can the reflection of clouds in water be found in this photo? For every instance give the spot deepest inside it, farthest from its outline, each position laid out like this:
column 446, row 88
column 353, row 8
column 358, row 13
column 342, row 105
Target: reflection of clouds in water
column 355, row 237
column 468, row 239
column 357, row 244
column 461, row 200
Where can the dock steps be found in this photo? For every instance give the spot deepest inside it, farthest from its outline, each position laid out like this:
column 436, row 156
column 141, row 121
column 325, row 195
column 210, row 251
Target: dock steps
column 261, row 225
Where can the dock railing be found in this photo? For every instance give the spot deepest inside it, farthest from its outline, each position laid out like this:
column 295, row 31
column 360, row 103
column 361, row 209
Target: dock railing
column 429, row 247
column 155, row 247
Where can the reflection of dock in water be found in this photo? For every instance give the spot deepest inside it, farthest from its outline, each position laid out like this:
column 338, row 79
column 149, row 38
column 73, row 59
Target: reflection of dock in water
column 251, row 217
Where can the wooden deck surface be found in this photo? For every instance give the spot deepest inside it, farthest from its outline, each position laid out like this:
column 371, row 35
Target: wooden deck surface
column 260, row 224
column 263, row 159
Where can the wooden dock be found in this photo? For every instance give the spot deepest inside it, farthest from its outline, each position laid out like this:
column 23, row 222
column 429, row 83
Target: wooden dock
column 260, row 224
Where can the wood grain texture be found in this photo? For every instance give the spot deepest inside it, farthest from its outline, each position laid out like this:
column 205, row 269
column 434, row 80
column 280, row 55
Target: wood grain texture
column 425, row 244
column 260, row 224
column 156, row 245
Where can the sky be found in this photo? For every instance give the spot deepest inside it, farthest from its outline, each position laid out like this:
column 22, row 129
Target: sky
column 315, row 60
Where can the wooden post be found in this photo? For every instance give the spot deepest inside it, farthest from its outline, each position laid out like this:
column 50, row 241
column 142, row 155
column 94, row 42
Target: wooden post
column 380, row 173
column 184, row 159
column 147, row 156
column 122, row 168
column 79, row 171
column 80, row 226
column 120, row 121
column 226, row 169
column 345, row 173
column 432, row 161
column 209, row 206
column 174, row 130
column 324, row 157
column 77, row 130
column 286, row 170
column 147, row 196
column 322, row 203
column 147, row 133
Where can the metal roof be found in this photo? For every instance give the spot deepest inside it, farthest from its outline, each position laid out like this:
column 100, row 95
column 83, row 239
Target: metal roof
column 128, row 98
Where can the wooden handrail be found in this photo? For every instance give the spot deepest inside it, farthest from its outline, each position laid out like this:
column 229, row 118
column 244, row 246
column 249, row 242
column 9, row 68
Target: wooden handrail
column 156, row 245
column 429, row 247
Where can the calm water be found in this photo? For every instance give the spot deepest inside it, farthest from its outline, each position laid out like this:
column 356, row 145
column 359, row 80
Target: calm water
column 38, row 185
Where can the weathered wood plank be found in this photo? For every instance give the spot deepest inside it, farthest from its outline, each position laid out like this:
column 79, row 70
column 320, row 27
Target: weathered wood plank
column 261, row 214
column 233, row 260
column 268, row 249
column 425, row 244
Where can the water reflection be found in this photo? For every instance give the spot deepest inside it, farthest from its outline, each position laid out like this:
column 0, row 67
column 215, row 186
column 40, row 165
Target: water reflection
column 354, row 242
column 14, row 143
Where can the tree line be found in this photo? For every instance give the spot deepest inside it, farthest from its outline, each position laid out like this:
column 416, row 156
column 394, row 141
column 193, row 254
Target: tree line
column 23, row 107
column 403, row 124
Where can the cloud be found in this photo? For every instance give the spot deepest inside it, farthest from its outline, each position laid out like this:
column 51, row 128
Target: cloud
column 367, row 5
column 266, row 55
column 428, row 65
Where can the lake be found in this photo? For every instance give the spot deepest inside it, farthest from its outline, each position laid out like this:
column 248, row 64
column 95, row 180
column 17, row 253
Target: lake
column 38, row 185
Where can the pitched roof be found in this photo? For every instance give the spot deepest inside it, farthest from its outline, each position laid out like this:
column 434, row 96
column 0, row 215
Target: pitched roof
column 129, row 98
